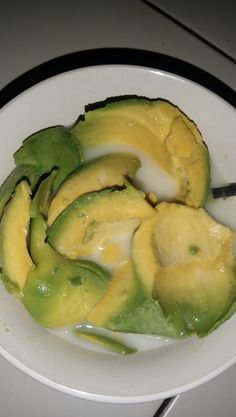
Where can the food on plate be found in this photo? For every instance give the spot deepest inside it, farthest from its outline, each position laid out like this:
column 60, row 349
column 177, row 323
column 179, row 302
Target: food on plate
column 191, row 265
column 158, row 129
column 90, row 238
column 105, row 341
column 97, row 174
column 73, row 230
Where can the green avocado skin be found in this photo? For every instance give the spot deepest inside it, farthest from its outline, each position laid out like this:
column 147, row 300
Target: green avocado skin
column 145, row 316
column 54, row 147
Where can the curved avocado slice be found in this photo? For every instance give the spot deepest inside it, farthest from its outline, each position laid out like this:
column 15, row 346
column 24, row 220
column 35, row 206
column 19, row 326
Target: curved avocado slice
column 123, row 291
column 69, row 232
column 160, row 130
column 58, row 291
column 147, row 269
column 192, row 261
column 107, row 342
column 54, row 147
column 15, row 259
column 104, row 172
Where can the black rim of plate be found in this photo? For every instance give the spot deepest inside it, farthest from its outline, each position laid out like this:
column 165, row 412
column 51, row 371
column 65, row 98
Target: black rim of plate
column 119, row 56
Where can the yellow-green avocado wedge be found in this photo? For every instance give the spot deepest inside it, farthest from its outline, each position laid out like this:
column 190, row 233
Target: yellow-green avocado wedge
column 192, row 270
column 159, row 129
column 97, row 174
column 15, row 259
column 122, row 291
column 70, row 231
column 58, row 291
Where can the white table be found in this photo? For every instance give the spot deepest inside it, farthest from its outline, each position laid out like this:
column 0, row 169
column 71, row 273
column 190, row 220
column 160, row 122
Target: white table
column 34, row 32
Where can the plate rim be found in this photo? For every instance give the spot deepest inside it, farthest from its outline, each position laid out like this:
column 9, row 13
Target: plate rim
column 118, row 56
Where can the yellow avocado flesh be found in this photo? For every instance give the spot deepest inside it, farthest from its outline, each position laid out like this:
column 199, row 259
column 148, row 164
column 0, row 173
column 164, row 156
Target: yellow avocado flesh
column 192, row 265
column 103, row 172
column 142, row 249
column 15, row 258
column 162, row 132
column 120, row 292
column 68, row 234
column 182, row 234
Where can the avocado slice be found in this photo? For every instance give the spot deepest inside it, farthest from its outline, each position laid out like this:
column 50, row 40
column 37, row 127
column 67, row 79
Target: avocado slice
column 103, row 172
column 107, row 342
column 146, row 270
column 161, row 131
column 19, row 173
column 69, row 232
column 122, row 291
column 58, row 291
column 54, row 147
column 191, row 258
column 15, row 259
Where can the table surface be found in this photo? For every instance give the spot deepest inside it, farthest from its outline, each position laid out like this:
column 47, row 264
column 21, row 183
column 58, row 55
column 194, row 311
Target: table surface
column 32, row 33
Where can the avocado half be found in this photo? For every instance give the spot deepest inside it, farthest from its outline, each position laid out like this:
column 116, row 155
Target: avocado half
column 161, row 131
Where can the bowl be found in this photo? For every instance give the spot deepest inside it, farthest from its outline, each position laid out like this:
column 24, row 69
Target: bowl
column 162, row 367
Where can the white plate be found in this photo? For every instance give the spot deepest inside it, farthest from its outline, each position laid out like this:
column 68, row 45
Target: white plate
column 161, row 368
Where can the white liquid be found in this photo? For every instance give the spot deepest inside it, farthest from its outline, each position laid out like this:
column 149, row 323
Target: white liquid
column 149, row 177
column 121, row 239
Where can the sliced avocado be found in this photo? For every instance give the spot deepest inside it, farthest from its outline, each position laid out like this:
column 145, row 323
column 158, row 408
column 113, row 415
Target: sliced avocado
column 105, row 341
column 160, row 130
column 21, row 172
column 54, row 147
column 130, row 311
column 142, row 248
column 193, row 266
column 123, row 291
column 103, row 172
column 58, row 291
column 15, row 259
column 68, row 233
